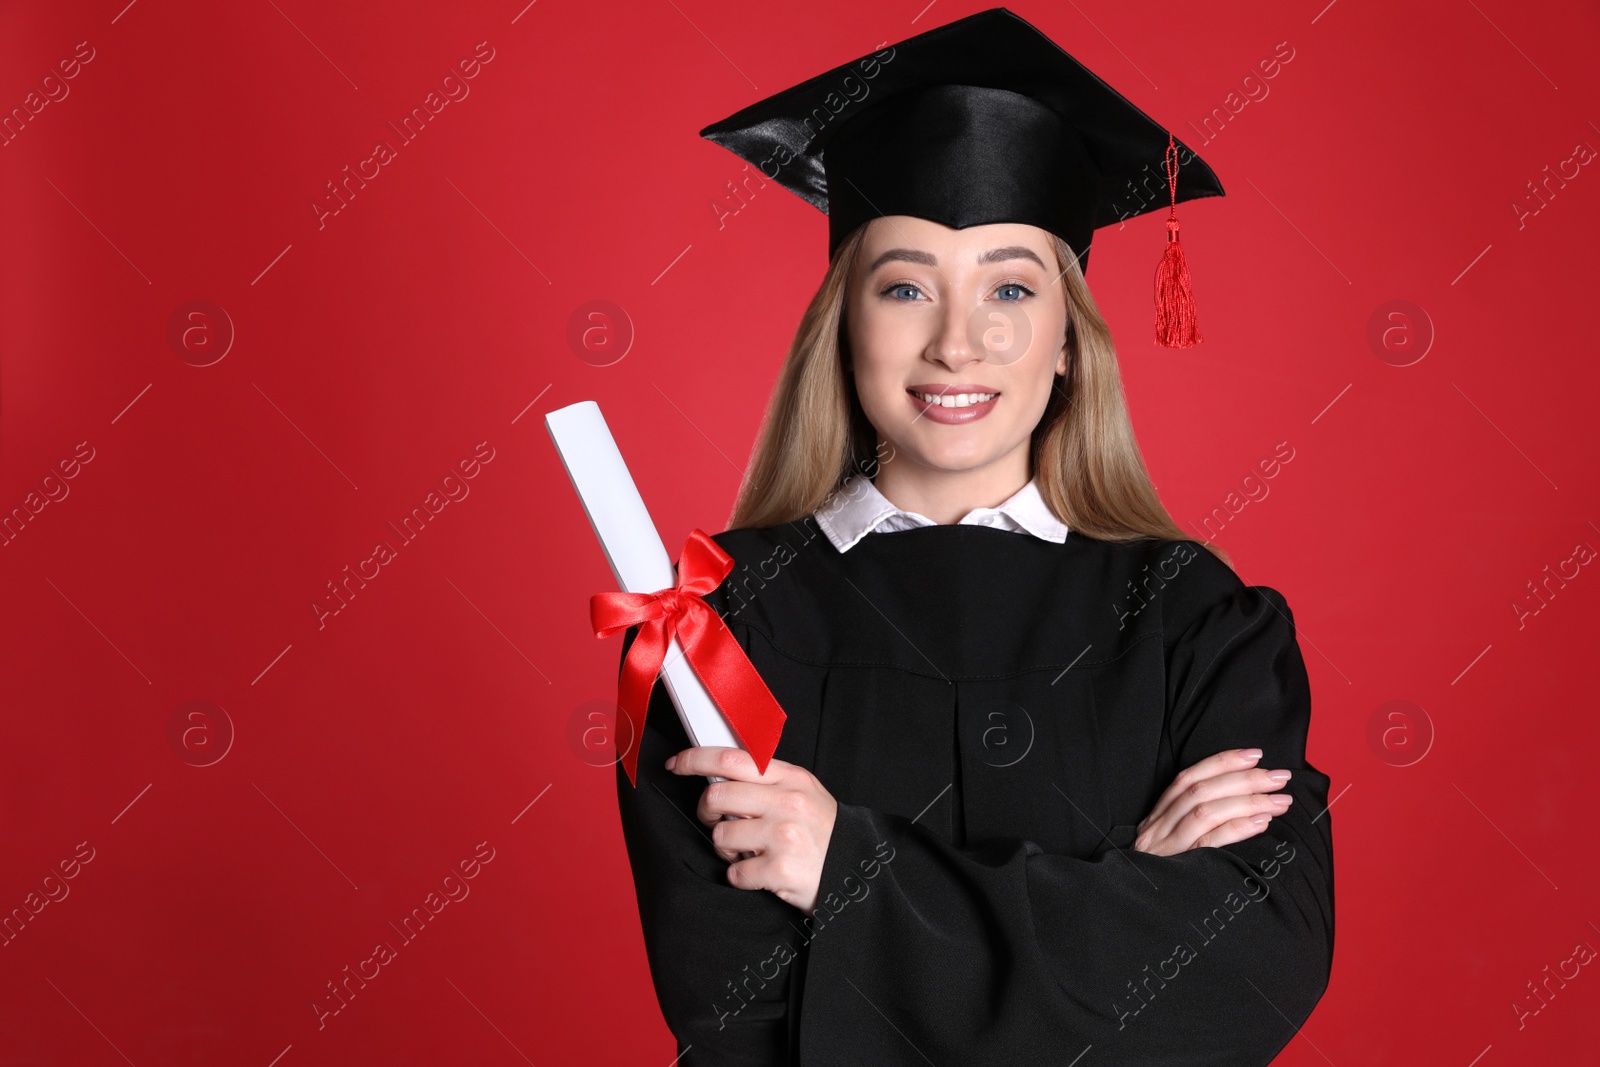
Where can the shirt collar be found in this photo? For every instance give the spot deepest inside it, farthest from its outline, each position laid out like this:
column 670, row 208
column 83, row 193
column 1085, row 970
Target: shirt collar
column 857, row 508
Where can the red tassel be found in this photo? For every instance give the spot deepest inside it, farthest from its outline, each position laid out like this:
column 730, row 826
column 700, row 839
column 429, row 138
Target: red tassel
column 1175, row 321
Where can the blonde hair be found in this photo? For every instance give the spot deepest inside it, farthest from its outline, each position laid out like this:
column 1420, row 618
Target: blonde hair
column 1083, row 455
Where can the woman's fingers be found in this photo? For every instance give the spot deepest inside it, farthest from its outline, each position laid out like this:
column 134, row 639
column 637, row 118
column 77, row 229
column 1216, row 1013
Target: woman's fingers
column 1233, row 784
column 1205, row 818
column 1178, row 800
column 1234, row 830
column 744, row 799
column 1209, row 815
column 1228, row 761
column 723, row 762
column 1213, row 802
column 735, row 838
column 1211, row 828
column 772, row 827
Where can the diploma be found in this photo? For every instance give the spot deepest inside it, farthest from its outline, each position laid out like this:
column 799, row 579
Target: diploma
column 641, row 565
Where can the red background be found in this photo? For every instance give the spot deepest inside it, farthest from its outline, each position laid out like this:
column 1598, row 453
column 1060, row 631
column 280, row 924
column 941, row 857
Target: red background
column 374, row 752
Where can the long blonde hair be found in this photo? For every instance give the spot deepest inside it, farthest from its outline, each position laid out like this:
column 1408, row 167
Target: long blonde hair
column 1083, row 453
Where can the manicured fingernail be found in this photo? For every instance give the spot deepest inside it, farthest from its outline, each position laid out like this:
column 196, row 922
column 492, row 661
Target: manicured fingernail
column 1282, row 800
column 670, row 761
column 1280, row 776
column 1259, row 819
column 1250, row 755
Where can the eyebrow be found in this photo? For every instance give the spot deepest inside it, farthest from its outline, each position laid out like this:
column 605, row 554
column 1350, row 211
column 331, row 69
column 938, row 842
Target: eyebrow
column 928, row 259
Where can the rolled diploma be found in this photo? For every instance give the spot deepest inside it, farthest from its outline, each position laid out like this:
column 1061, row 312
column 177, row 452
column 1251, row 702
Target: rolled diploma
column 633, row 548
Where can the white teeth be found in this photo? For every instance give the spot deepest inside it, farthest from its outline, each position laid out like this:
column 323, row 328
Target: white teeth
column 956, row 400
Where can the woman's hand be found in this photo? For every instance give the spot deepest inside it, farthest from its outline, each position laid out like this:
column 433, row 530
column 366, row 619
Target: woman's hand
column 1220, row 800
column 787, row 823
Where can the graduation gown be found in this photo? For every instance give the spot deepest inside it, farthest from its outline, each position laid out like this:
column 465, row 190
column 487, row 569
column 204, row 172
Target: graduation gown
column 995, row 714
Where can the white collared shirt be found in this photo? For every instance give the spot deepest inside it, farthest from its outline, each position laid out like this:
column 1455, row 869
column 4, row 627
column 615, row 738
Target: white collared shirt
column 857, row 508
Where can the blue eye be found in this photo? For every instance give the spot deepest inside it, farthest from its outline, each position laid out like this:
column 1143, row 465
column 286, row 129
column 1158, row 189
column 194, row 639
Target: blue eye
column 1022, row 291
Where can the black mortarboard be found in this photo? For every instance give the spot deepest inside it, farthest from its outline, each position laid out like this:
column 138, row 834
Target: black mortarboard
column 981, row 120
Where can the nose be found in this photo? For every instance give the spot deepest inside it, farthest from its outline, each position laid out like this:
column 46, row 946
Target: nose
column 952, row 345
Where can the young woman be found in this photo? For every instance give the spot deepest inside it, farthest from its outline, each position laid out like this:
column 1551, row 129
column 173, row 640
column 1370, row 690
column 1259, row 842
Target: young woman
column 1042, row 784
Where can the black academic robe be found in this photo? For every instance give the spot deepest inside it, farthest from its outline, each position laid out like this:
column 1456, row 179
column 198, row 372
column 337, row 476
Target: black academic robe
column 995, row 714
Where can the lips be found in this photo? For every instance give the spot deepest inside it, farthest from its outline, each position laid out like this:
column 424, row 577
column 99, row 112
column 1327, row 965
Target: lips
column 943, row 388
column 938, row 412
column 947, row 395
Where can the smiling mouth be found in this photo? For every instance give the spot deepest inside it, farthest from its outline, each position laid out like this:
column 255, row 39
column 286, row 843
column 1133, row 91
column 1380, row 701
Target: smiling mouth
column 957, row 405
column 952, row 400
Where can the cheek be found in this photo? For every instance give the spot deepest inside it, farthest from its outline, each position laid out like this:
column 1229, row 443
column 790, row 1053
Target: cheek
column 876, row 345
column 1051, row 346
column 875, row 388
column 870, row 334
column 1046, row 358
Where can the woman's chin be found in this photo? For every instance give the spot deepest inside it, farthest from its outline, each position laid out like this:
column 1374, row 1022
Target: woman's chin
column 953, row 461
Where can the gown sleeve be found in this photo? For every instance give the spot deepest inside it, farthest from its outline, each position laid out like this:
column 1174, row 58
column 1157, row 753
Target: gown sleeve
column 721, row 958
column 1000, row 952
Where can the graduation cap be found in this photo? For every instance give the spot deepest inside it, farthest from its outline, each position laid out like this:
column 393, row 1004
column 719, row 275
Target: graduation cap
column 981, row 120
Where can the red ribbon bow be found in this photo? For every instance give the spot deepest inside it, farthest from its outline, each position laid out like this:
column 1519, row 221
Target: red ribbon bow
column 709, row 646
